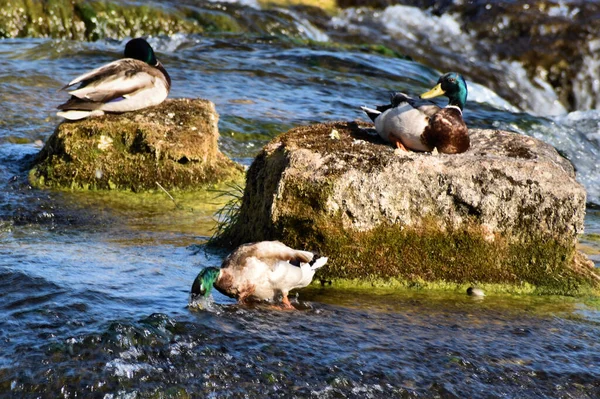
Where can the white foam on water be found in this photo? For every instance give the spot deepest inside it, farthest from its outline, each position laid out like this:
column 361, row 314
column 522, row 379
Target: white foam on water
column 562, row 10
column 168, row 44
column 482, row 94
column 416, row 24
column 247, row 3
column 581, row 129
column 122, row 395
column 543, row 99
column 131, row 354
column 351, row 19
column 586, row 85
column 308, row 30
column 122, row 368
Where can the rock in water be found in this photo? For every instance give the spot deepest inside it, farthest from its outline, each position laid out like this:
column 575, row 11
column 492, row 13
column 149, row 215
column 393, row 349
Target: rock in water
column 507, row 211
column 173, row 144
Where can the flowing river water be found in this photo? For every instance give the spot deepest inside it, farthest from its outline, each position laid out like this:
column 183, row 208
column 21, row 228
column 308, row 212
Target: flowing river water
column 94, row 286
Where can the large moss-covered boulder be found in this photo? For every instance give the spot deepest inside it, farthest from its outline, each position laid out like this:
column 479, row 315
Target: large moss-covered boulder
column 506, row 213
column 173, row 145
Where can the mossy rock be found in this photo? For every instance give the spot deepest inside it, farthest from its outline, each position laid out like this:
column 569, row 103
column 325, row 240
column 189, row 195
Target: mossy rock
column 173, row 146
column 506, row 212
column 93, row 20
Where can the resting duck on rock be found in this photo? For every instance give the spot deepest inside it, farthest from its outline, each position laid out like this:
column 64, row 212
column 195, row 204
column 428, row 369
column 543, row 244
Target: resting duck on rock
column 412, row 124
column 259, row 271
column 137, row 81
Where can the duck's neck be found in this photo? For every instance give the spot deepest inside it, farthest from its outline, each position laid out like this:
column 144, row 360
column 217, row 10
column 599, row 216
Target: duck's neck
column 456, row 107
column 459, row 98
column 164, row 71
column 456, row 103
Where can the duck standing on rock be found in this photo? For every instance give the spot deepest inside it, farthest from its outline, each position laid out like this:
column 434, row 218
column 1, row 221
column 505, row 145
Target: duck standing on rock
column 137, row 81
column 412, row 124
column 259, row 271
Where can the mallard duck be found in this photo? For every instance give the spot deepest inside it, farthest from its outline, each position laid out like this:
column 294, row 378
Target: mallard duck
column 137, row 81
column 412, row 124
column 259, row 271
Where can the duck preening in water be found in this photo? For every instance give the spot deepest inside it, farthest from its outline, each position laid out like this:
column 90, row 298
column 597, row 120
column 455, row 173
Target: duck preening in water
column 414, row 124
column 259, row 271
column 137, row 81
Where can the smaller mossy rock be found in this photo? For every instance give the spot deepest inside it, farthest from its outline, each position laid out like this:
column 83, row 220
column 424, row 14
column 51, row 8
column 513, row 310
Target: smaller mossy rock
column 173, row 145
column 508, row 211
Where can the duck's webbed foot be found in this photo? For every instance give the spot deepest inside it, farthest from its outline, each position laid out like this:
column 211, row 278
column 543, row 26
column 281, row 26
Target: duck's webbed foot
column 286, row 303
column 398, row 144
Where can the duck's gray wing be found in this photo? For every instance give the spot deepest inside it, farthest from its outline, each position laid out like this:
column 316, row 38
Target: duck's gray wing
column 112, row 81
column 268, row 252
column 425, row 106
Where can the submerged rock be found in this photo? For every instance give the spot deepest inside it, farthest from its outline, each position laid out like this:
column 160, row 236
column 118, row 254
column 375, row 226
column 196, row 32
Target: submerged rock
column 173, row 145
column 507, row 211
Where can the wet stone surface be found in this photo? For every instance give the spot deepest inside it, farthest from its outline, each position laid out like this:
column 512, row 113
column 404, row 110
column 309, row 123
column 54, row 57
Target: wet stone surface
column 493, row 214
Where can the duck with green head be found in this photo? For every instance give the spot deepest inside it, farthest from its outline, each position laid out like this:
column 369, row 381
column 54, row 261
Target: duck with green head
column 260, row 271
column 412, row 124
column 137, row 81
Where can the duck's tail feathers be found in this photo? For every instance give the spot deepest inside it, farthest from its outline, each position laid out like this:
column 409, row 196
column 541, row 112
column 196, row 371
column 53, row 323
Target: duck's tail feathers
column 317, row 263
column 75, row 115
column 371, row 113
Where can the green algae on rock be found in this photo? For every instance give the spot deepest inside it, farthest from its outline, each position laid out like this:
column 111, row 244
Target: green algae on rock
column 172, row 145
column 85, row 20
column 94, row 20
column 508, row 211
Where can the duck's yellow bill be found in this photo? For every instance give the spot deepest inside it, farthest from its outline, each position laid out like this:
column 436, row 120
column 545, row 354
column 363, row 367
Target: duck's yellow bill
column 436, row 91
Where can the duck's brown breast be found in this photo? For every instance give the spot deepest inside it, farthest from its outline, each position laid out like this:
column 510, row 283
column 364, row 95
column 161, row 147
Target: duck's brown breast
column 447, row 132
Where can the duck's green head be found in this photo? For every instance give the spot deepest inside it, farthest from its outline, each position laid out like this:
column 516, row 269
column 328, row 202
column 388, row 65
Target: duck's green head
column 204, row 282
column 451, row 85
column 139, row 49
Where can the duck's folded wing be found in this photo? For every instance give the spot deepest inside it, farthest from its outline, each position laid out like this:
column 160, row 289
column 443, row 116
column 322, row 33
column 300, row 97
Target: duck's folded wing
column 113, row 80
column 104, row 71
column 398, row 98
column 425, row 106
column 272, row 252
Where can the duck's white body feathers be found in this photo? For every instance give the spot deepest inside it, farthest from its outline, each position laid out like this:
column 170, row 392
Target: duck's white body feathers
column 404, row 120
column 265, row 270
column 420, row 125
column 406, row 123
